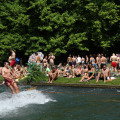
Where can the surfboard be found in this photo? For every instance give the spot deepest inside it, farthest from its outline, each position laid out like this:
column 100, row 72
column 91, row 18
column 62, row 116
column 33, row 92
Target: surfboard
column 32, row 88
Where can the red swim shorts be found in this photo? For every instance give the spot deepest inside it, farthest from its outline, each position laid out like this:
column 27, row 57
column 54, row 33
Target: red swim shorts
column 114, row 64
column 12, row 63
column 7, row 80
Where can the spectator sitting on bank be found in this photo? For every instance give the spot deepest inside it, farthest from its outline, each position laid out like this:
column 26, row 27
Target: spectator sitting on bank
column 60, row 66
column 104, row 75
column 53, row 74
column 90, row 74
column 78, row 71
column 85, row 70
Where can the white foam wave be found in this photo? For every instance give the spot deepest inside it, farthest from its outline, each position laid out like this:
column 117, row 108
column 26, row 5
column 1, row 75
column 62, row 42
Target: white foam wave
column 10, row 102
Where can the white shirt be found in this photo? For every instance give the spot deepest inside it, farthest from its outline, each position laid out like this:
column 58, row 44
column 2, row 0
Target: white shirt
column 79, row 59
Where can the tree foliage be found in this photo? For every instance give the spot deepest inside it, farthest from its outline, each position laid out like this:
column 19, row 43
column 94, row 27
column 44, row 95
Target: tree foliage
column 59, row 26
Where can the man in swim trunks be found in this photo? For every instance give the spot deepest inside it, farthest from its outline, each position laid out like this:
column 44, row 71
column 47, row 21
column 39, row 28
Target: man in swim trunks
column 8, row 78
column 51, row 60
column 113, row 60
column 103, row 61
column 53, row 74
column 12, row 58
column 74, row 61
column 105, row 73
column 69, row 60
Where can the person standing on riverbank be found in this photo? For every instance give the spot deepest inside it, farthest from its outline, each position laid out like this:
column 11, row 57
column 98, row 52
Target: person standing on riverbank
column 103, row 61
column 12, row 58
column 113, row 60
column 51, row 60
column 79, row 59
column 69, row 60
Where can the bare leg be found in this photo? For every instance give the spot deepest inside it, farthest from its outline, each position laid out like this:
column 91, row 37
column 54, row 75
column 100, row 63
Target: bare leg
column 84, row 77
column 50, row 77
column 16, row 87
column 54, row 76
column 70, row 76
column 104, row 78
column 73, row 73
column 12, row 89
column 98, row 76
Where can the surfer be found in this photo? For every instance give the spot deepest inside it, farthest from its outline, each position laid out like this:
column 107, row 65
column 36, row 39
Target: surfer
column 8, row 78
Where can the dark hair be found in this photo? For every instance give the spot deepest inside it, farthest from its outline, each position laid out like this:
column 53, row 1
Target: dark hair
column 84, row 67
column 105, row 65
column 90, row 55
column 11, row 49
column 36, row 53
column 5, row 63
column 89, row 66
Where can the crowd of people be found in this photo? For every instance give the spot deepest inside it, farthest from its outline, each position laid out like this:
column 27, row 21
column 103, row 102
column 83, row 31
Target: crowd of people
column 87, row 68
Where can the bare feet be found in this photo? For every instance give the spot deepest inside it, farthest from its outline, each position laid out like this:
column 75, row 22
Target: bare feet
column 96, row 81
column 80, row 81
column 48, row 82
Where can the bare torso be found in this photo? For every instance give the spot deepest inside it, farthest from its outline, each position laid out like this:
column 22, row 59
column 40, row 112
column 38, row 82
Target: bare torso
column 83, row 59
column 13, row 55
column 106, row 72
column 51, row 58
column 6, row 73
column 74, row 59
column 98, row 60
column 44, row 62
column 69, row 59
column 38, row 59
column 113, row 58
column 103, row 60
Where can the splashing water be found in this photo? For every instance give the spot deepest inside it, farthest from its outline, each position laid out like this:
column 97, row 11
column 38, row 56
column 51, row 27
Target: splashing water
column 11, row 102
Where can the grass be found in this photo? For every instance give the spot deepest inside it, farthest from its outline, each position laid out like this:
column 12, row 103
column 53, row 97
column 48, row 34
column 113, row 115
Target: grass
column 75, row 80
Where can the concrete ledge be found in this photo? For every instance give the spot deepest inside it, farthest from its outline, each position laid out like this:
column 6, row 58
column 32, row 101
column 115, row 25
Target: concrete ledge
column 71, row 85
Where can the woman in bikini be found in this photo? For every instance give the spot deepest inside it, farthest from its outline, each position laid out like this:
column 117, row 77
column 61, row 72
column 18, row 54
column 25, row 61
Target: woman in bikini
column 90, row 74
column 92, row 60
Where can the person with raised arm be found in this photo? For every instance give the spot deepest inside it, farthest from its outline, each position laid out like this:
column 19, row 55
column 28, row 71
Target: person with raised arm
column 12, row 58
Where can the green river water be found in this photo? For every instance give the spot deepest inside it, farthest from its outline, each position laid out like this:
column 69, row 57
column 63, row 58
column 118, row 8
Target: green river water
column 60, row 103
